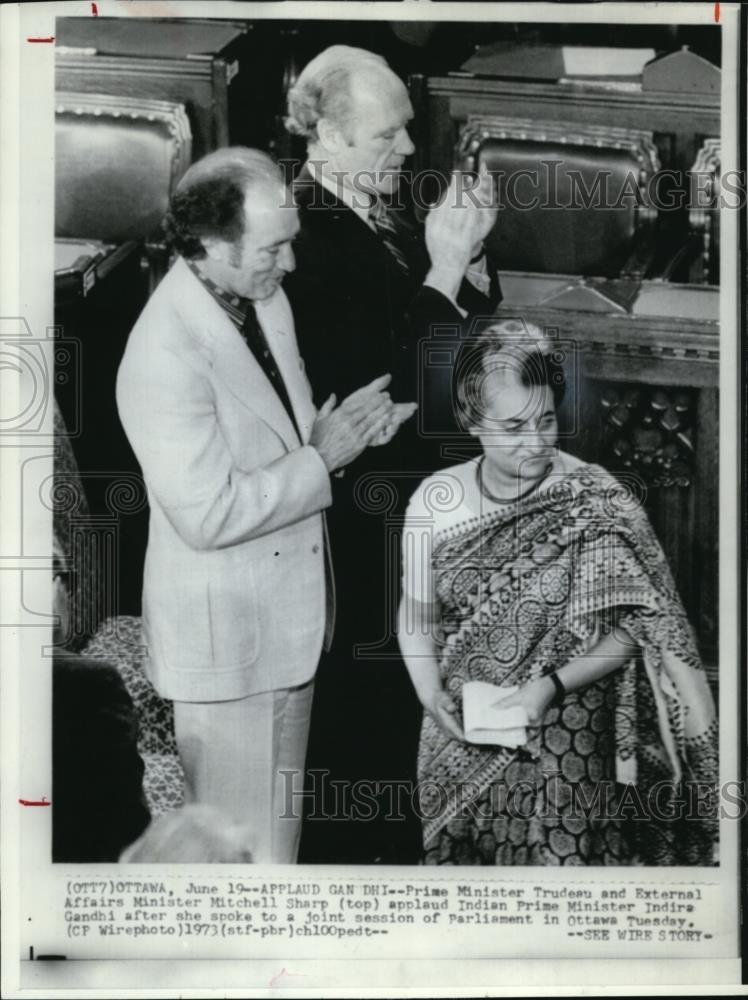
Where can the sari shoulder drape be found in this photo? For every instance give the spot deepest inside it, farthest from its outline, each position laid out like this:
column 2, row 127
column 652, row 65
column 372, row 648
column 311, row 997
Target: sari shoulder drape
column 525, row 590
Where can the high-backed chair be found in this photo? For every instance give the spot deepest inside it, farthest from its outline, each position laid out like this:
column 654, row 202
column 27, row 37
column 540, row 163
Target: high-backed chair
column 210, row 66
column 704, row 210
column 118, row 160
column 574, row 199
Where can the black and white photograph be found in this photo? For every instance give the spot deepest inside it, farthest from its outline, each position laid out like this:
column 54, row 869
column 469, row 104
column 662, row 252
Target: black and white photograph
column 371, row 511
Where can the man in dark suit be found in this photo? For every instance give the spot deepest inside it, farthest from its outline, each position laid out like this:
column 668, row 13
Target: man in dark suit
column 371, row 290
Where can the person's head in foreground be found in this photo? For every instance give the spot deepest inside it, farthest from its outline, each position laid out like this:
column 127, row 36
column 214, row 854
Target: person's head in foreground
column 509, row 384
column 232, row 214
column 194, row 834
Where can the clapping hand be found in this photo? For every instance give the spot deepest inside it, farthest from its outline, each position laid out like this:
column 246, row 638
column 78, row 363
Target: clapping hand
column 456, row 227
column 400, row 413
column 341, row 433
column 451, row 230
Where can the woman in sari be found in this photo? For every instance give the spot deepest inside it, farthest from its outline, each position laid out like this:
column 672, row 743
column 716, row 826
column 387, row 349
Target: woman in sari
column 530, row 569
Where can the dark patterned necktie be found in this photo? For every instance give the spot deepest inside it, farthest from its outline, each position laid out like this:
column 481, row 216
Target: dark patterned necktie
column 387, row 232
column 258, row 345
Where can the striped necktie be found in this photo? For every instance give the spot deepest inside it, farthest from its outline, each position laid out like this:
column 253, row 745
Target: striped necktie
column 255, row 339
column 387, row 232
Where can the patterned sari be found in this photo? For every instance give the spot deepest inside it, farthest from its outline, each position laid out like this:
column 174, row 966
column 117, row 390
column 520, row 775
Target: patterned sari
column 622, row 771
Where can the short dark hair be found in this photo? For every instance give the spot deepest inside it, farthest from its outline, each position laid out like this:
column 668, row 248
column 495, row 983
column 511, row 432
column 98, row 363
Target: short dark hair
column 513, row 345
column 209, row 199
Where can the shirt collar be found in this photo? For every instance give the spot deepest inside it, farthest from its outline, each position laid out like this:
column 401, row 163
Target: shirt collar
column 236, row 306
column 353, row 199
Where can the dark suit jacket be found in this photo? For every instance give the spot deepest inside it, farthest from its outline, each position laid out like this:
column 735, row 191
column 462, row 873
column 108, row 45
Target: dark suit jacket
column 358, row 315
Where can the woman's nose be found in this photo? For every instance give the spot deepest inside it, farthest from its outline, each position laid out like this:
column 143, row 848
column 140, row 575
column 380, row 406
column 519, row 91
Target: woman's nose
column 533, row 439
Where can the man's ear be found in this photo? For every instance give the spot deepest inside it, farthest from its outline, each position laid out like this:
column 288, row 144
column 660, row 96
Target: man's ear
column 217, row 250
column 330, row 136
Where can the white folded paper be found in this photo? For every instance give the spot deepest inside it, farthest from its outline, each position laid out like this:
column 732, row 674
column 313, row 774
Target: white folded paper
column 487, row 722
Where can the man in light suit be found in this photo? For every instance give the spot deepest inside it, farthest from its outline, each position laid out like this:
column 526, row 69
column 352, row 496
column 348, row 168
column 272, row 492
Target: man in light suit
column 214, row 400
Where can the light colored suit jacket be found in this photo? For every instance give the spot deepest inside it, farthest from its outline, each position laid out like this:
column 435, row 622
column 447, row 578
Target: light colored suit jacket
column 234, row 583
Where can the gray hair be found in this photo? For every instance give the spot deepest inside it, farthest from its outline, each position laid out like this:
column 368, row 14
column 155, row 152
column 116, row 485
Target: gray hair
column 323, row 89
column 510, row 345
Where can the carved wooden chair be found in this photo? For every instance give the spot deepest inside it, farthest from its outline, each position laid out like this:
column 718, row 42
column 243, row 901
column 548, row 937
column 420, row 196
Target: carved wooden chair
column 704, row 215
column 117, row 161
column 574, row 199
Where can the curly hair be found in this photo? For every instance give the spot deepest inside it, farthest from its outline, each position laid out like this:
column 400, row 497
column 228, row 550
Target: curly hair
column 323, row 89
column 511, row 345
column 209, row 199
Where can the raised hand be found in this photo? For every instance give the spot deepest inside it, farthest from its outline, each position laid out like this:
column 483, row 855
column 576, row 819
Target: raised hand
column 456, row 227
column 486, row 204
column 450, row 229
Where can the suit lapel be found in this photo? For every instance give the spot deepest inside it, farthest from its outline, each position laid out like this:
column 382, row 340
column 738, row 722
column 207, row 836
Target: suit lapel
column 346, row 230
column 276, row 319
column 232, row 361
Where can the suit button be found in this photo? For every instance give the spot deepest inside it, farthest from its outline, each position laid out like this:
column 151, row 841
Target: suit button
column 315, row 549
